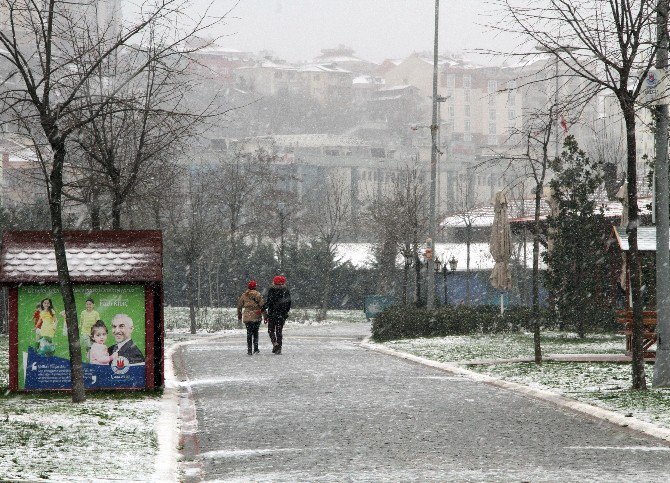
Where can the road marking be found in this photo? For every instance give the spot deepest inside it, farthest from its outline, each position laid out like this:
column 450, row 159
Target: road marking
column 222, row 380
column 243, row 453
column 621, row 448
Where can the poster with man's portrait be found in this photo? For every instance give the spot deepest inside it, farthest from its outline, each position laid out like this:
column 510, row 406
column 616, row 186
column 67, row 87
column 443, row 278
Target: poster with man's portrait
column 111, row 335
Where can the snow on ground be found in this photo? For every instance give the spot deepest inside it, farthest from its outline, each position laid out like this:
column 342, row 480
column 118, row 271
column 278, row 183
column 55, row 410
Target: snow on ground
column 212, row 319
column 603, row 384
column 507, row 346
column 111, row 436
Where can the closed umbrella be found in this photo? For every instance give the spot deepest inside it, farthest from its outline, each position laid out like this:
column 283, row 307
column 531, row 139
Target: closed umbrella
column 501, row 244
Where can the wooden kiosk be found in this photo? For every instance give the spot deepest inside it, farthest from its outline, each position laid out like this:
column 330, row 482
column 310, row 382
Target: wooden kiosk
column 118, row 286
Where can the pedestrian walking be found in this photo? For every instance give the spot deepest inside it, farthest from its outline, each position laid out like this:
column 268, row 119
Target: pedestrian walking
column 249, row 311
column 276, row 309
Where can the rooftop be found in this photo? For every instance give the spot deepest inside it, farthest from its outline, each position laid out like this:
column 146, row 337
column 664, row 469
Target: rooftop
column 93, row 256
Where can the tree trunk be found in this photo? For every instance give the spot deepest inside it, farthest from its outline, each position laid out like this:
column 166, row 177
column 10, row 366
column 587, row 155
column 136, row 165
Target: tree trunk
column 327, row 287
column 468, row 241
column 190, row 276
column 116, row 213
column 639, row 379
column 94, row 210
column 417, row 270
column 536, row 275
column 405, row 279
column 64, row 280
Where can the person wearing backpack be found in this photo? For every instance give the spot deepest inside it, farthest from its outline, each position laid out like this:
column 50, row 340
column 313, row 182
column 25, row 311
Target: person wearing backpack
column 249, row 311
column 276, row 309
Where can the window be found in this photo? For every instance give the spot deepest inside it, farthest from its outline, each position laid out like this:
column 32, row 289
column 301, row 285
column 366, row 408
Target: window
column 492, row 115
column 466, row 95
column 451, row 81
column 492, row 86
column 511, row 93
column 377, row 153
column 511, row 114
column 492, row 128
column 467, row 137
column 466, row 110
column 466, row 125
column 277, row 74
column 451, row 112
column 467, row 82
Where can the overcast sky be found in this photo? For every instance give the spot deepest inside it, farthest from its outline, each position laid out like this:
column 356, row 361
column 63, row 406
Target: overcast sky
column 297, row 30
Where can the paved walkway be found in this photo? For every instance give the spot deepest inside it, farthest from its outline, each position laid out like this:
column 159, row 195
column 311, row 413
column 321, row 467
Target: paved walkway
column 328, row 410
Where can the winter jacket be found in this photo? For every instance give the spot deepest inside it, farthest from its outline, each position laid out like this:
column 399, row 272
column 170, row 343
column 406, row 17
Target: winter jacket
column 278, row 302
column 249, row 306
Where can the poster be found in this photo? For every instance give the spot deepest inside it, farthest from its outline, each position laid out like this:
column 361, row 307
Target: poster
column 111, row 330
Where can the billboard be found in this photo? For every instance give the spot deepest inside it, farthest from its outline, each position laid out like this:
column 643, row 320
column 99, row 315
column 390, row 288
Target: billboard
column 111, row 330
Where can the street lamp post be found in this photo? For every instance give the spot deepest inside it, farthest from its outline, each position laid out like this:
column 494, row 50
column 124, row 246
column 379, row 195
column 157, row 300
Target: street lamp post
column 430, row 282
column 452, row 266
column 438, row 264
column 282, row 215
column 662, row 365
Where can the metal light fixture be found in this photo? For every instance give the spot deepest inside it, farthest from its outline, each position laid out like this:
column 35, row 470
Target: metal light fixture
column 453, row 263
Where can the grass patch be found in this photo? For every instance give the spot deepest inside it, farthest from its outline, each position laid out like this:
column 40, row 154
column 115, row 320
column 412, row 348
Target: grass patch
column 507, row 345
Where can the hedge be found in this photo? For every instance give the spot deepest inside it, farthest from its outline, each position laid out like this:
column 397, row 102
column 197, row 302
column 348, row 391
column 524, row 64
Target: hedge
column 408, row 321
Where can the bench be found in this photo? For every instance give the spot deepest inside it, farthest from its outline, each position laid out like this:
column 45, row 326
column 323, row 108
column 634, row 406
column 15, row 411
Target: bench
column 625, row 318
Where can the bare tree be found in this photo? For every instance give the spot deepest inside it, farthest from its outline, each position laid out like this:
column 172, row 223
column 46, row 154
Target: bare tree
column 45, row 45
column 609, row 45
column 149, row 122
column 410, row 198
column 329, row 220
column 191, row 226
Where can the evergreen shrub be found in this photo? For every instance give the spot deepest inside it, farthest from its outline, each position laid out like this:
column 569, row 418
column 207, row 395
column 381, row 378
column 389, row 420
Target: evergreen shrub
column 408, row 321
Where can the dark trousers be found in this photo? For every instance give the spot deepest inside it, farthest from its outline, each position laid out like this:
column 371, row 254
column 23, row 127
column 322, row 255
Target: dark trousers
column 275, row 327
column 252, row 334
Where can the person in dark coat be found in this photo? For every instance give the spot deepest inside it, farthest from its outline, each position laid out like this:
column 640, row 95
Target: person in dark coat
column 276, row 309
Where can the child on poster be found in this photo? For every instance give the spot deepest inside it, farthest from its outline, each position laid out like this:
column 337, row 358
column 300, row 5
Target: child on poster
column 98, row 353
column 48, row 324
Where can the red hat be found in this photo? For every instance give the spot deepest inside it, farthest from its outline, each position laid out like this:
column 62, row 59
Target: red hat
column 279, row 280
column 252, row 285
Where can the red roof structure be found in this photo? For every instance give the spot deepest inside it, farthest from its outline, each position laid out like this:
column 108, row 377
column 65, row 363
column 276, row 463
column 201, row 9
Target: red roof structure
column 93, row 256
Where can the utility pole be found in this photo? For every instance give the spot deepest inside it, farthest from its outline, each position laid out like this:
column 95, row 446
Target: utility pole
column 430, row 272
column 662, row 365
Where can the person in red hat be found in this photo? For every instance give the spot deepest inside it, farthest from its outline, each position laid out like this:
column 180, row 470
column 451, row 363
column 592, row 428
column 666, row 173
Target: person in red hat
column 249, row 311
column 276, row 309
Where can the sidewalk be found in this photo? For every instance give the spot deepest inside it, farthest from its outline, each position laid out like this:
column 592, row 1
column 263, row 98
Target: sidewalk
column 617, row 418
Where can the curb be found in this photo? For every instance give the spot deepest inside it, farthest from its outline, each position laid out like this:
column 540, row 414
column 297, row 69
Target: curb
column 171, row 422
column 167, row 426
column 543, row 395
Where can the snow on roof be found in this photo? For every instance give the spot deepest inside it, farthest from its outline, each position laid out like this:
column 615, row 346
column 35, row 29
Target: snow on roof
column 316, row 140
column 323, row 68
column 397, row 88
column 520, row 211
column 93, row 256
column 368, row 79
column 646, row 238
column 268, row 64
column 360, row 255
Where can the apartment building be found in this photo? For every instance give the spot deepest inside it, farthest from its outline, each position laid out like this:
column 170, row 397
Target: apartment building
column 325, row 83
